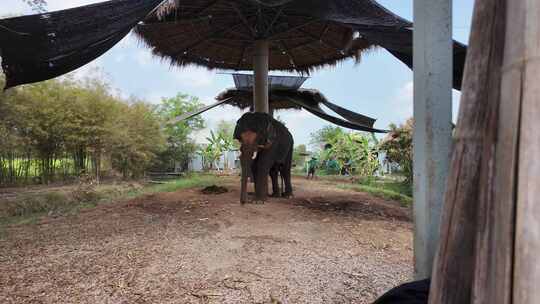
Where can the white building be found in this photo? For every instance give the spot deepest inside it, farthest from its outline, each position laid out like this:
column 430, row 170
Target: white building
column 229, row 160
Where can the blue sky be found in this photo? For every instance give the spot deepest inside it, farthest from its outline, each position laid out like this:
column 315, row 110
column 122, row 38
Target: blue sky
column 380, row 86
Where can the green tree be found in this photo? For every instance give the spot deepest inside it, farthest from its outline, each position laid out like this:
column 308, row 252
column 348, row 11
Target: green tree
column 180, row 147
column 225, row 131
column 352, row 153
column 137, row 139
column 212, row 151
column 93, row 115
column 63, row 127
column 326, row 135
column 299, row 155
column 398, row 147
column 43, row 113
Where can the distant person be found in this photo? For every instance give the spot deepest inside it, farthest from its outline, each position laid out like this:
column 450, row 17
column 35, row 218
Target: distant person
column 333, row 166
column 312, row 167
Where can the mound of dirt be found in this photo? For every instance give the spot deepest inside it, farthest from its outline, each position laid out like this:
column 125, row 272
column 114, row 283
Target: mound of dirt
column 214, row 190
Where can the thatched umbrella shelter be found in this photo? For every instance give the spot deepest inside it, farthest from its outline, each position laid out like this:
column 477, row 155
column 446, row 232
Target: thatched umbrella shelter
column 257, row 35
column 286, row 94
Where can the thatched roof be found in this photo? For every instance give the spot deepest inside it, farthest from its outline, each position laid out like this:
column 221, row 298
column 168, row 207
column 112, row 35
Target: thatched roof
column 303, row 35
column 310, row 100
column 284, row 94
column 278, row 99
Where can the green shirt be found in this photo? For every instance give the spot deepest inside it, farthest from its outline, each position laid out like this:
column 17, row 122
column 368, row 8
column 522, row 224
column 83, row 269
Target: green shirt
column 312, row 163
column 332, row 165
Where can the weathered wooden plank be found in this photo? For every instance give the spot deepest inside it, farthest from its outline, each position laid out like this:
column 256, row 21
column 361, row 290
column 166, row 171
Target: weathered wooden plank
column 495, row 233
column 472, row 161
column 527, row 254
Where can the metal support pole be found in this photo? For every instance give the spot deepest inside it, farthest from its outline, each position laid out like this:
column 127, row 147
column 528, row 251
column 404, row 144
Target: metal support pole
column 432, row 140
column 260, row 70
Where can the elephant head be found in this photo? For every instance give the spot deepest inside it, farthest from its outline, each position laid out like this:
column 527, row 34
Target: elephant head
column 255, row 133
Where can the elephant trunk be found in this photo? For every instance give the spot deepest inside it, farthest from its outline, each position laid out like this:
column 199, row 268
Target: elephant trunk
column 243, row 184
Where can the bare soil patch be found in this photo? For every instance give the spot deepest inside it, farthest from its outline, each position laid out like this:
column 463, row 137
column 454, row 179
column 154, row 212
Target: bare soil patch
column 326, row 245
column 214, row 190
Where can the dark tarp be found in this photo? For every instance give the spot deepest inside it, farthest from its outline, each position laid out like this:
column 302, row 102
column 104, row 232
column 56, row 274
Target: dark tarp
column 382, row 28
column 44, row 46
column 278, row 84
column 350, row 115
column 317, row 111
column 400, row 44
column 313, row 107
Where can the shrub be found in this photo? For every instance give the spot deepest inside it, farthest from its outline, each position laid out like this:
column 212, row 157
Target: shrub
column 36, row 203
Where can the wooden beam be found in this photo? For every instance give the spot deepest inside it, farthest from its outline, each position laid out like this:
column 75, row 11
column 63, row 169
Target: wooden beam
column 294, row 28
column 207, row 7
column 289, row 53
column 215, row 34
column 494, row 248
column 314, row 37
column 324, row 31
column 527, row 230
column 260, row 75
column 470, row 183
column 244, row 20
column 276, row 17
column 241, row 59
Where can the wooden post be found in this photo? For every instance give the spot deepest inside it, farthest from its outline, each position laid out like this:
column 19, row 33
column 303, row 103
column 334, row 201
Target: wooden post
column 260, row 70
column 472, row 161
column 490, row 248
column 432, row 140
column 527, row 251
column 495, row 231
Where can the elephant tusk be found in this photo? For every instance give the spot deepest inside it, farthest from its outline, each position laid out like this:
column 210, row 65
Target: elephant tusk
column 254, row 155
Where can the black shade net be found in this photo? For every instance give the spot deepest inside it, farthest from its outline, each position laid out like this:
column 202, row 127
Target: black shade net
column 43, row 46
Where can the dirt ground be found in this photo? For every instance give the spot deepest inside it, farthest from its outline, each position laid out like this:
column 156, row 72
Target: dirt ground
column 326, row 245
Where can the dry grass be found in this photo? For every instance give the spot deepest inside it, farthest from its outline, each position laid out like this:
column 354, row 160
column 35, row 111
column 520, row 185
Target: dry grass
column 29, row 207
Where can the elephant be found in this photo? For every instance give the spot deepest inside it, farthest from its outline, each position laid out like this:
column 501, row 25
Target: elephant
column 266, row 149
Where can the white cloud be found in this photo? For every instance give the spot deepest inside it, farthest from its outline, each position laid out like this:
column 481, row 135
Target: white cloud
column 17, row 7
column 143, row 57
column 53, row 5
column 94, row 68
column 404, row 100
column 195, row 77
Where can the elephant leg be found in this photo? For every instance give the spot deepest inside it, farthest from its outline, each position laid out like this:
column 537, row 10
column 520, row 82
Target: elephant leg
column 286, row 175
column 253, row 172
column 275, row 182
column 261, row 184
column 288, row 184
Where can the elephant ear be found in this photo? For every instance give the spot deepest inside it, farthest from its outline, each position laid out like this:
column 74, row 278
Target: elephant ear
column 237, row 131
column 270, row 133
